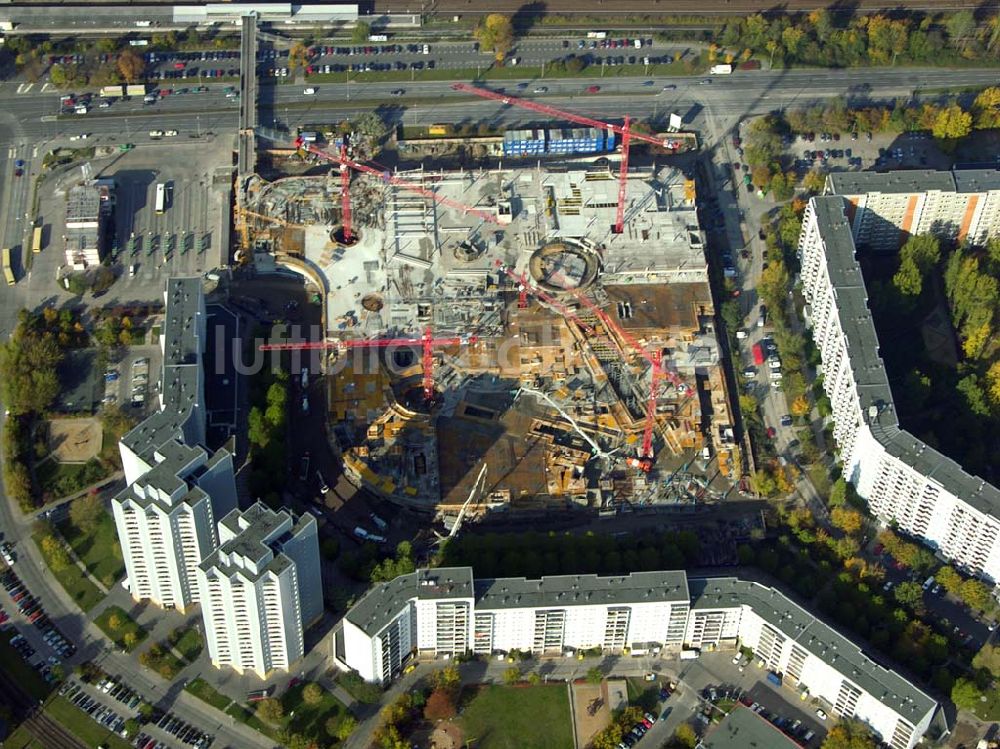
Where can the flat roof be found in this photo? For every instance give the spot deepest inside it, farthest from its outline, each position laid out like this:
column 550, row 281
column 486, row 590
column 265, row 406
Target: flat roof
column 581, row 590
column 260, row 534
column 797, row 624
column 380, row 605
column 181, row 369
column 745, row 729
column 914, row 181
column 868, row 369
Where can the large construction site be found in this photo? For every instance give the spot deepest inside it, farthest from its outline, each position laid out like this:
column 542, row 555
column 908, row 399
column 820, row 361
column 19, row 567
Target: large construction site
column 511, row 338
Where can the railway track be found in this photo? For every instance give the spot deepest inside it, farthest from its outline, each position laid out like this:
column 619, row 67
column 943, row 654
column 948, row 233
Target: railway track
column 621, row 9
column 46, row 731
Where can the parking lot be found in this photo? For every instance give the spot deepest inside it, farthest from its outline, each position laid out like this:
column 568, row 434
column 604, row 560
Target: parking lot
column 746, row 683
column 148, row 246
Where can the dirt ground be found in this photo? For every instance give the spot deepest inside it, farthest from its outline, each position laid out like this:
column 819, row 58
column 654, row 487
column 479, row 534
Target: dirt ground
column 75, row 440
column 444, row 736
column 593, row 705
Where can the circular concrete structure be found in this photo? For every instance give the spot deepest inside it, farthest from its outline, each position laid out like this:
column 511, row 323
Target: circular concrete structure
column 372, row 302
column 561, row 266
column 337, row 236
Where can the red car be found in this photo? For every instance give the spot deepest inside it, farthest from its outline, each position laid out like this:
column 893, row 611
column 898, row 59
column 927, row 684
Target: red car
column 771, row 433
column 178, row 66
column 593, row 89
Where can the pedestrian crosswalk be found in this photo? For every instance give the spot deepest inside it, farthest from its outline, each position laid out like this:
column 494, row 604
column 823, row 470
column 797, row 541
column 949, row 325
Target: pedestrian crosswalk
column 27, row 88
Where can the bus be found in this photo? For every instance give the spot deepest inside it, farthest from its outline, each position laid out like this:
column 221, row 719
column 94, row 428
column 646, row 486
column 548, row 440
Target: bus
column 36, row 239
column 7, row 272
column 161, row 198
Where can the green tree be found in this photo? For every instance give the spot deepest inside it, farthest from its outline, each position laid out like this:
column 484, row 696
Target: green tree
column 512, row 675
column 258, row 431
column 966, row 694
column 977, row 594
column 814, row 181
column 960, row 27
column 988, row 657
column 341, row 728
column 986, row 108
column 684, row 736
column 595, row 675
column 361, row 32
column 131, row 727
column 838, row 492
column 87, row 512
column 270, row 710
column 55, row 553
column 951, row 123
column 28, row 364
column 312, row 694
column 849, row 734
column 496, row 33
column 910, row 594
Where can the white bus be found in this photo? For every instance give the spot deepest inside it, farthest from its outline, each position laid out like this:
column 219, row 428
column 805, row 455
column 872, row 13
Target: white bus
column 161, row 198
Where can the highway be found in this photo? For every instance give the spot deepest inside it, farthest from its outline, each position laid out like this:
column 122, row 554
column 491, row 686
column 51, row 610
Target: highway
column 424, row 102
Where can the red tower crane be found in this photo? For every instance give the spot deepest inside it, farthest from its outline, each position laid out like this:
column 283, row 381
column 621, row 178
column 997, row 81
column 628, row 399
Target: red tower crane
column 345, row 194
column 426, row 342
column 391, row 179
column 624, row 131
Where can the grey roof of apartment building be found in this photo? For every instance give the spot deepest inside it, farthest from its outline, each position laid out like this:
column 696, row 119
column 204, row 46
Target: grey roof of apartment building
column 83, row 203
column 899, row 181
column 181, row 365
column 581, row 590
column 977, row 180
column 168, row 476
column 868, row 368
column 745, row 729
column 797, row 624
column 383, row 602
column 260, row 531
column 914, row 181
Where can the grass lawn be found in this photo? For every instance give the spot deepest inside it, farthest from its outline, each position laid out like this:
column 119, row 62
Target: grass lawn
column 518, row 717
column 187, row 641
column 308, row 720
column 158, row 658
column 358, row 688
column 62, row 479
column 22, row 739
column 207, row 693
column 82, row 725
column 642, row 693
column 98, row 550
column 84, row 593
column 819, row 474
column 27, row 677
column 125, row 626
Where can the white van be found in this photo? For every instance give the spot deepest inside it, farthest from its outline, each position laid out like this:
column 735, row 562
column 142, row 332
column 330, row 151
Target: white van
column 309, row 91
column 427, row 49
column 928, row 582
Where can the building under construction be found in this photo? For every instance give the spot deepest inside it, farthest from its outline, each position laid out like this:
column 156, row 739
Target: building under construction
column 498, row 318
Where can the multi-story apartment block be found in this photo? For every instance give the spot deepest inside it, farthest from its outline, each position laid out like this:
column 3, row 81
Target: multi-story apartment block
column 445, row 611
column 905, row 481
column 809, row 655
column 884, row 208
column 260, row 589
column 182, row 390
column 166, row 517
column 166, row 521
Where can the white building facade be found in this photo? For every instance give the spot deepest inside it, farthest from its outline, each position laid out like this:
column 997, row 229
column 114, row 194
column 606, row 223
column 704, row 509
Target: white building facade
column 905, row 481
column 260, row 590
column 445, row 612
column 176, row 492
column 885, row 208
column 166, row 522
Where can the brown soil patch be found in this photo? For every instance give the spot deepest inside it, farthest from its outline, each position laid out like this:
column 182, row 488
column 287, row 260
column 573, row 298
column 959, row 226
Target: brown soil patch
column 591, row 711
column 75, row 440
column 446, row 736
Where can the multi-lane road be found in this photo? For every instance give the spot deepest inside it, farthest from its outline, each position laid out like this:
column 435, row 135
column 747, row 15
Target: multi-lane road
column 34, row 114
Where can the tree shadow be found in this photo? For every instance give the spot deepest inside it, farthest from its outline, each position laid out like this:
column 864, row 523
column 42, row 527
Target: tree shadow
column 527, row 16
